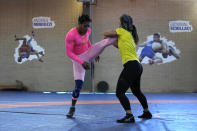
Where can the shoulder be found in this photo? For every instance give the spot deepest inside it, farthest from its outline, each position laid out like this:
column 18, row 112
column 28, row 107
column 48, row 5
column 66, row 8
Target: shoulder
column 119, row 31
column 71, row 33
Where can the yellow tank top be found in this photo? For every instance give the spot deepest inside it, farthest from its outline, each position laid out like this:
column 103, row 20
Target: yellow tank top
column 126, row 46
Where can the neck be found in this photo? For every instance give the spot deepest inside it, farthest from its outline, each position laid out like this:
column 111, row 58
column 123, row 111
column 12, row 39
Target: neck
column 80, row 32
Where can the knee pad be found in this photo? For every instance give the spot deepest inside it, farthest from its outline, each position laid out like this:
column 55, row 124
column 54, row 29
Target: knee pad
column 78, row 87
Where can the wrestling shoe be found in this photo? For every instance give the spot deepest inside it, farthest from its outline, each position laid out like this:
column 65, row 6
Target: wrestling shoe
column 129, row 118
column 146, row 115
column 71, row 112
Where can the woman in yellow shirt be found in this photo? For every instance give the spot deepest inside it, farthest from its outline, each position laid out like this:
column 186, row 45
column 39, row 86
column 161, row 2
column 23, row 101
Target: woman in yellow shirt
column 131, row 74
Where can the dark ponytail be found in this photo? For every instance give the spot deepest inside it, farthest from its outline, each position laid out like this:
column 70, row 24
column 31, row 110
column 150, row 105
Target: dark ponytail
column 135, row 35
column 127, row 24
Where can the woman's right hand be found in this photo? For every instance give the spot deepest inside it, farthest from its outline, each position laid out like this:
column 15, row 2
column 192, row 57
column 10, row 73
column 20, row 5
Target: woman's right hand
column 105, row 37
column 86, row 65
column 115, row 44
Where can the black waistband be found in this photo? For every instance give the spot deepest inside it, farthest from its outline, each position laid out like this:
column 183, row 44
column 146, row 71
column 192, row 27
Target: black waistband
column 131, row 62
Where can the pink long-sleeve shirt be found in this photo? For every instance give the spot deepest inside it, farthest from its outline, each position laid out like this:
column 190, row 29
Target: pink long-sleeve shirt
column 77, row 44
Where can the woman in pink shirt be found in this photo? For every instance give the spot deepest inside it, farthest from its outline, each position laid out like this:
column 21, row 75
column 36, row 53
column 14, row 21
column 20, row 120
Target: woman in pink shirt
column 77, row 42
column 79, row 49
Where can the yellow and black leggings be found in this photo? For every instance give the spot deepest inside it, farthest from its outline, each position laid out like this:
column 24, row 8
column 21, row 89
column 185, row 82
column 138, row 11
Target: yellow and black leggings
column 130, row 78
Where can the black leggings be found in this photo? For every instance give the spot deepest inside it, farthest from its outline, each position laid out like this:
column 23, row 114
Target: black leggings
column 130, row 77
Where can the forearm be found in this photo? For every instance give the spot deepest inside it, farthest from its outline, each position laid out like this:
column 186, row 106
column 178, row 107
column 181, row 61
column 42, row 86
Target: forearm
column 110, row 34
column 20, row 39
column 142, row 45
column 71, row 54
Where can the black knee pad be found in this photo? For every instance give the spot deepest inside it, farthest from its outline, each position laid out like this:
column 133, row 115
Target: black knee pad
column 78, row 87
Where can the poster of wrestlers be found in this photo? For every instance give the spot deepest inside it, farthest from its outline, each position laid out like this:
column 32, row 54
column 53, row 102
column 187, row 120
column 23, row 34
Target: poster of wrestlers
column 157, row 50
column 28, row 49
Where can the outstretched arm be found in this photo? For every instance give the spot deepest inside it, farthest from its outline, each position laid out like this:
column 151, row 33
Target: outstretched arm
column 111, row 33
column 24, row 39
column 20, row 39
column 142, row 44
column 16, row 39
